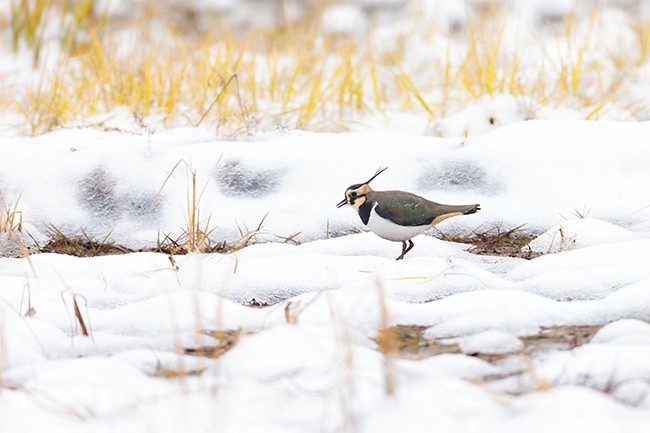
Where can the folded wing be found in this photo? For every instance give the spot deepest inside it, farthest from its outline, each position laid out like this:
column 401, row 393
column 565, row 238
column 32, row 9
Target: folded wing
column 408, row 209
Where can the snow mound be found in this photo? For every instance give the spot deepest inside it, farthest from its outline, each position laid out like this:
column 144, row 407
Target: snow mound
column 585, row 273
column 486, row 114
column 580, row 233
column 490, row 343
column 628, row 331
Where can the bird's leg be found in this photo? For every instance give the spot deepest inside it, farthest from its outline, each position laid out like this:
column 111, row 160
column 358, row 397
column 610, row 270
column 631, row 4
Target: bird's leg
column 408, row 248
column 401, row 256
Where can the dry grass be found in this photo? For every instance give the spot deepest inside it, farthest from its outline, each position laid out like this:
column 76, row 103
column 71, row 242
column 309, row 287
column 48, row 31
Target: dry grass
column 225, row 340
column 196, row 233
column 11, row 219
column 517, row 369
column 79, row 320
column 82, row 245
column 407, row 341
column 494, row 241
column 29, row 20
column 564, row 242
column 195, row 237
column 484, row 70
column 294, row 75
column 561, row 337
column 176, row 373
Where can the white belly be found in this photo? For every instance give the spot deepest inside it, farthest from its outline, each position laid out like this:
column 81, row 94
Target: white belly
column 391, row 231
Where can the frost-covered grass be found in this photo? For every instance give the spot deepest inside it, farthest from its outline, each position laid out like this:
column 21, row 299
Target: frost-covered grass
column 193, row 132
column 328, row 68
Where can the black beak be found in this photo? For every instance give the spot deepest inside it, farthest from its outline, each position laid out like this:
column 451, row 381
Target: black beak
column 342, row 202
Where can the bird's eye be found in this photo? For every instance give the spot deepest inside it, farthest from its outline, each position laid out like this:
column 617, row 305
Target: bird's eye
column 353, row 194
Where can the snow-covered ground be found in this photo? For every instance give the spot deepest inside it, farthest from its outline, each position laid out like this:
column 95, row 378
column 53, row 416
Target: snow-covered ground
column 539, row 173
column 313, row 326
column 310, row 361
column 322, row 371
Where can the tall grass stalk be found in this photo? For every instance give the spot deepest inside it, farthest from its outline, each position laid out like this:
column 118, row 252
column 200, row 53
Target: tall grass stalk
column 11, row 219
column 297, row 77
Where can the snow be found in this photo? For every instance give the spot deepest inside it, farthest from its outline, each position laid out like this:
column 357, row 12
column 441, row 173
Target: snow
column 587, row 272
column 490, row 342
column 344, row 18
column 310, row 357
column 141, row 310
column 580, row 233
column 556, row 343
column 116, row 183
column 312, row 350
column 624, row 331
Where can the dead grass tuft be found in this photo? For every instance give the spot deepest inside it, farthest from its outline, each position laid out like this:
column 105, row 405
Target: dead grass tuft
column 495, row 241
column 408, row 341
column 176, row 373
column 226, row 340
column 561, row 337
column 81, row 245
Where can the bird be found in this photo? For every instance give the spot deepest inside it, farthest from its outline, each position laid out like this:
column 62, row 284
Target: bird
column 399, row 216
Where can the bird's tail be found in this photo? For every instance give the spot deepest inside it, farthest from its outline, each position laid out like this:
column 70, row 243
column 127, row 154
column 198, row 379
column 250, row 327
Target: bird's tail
column 470, row 209
column 464, row 209
column 447, row 211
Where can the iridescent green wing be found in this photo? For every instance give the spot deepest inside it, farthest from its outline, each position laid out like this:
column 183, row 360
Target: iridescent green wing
column 408, row 209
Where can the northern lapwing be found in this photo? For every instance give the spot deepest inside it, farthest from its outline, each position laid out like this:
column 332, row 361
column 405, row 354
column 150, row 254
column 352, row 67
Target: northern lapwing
column 399, row 216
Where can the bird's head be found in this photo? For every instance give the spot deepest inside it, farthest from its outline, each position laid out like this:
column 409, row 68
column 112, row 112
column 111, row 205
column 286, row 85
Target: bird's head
column 355, row 195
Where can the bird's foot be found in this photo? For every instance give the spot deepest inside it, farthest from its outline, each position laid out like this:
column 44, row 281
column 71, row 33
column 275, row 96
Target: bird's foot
column 405, row 248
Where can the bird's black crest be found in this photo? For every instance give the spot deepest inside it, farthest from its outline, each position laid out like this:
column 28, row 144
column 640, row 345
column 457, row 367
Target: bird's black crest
column 359, row 185
column 379, row 171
